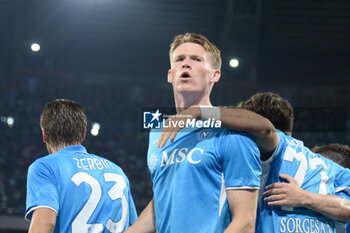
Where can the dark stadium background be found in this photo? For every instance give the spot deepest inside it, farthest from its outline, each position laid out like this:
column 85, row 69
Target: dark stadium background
column 111, row 56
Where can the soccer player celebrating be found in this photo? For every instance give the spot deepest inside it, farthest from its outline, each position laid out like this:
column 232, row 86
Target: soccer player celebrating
column 303, row 210
column 207, row 180
column 70, row 190
column 294, row 165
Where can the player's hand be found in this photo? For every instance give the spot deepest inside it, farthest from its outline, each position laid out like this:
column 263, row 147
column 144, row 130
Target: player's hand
column 191, row 113
column 289, row 194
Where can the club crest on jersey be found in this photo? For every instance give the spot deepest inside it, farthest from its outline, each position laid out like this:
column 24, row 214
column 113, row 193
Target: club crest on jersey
column 152, row 162
column 204, row 134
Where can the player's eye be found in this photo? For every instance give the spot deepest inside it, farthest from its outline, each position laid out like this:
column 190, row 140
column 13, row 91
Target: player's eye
column 197, row 59
column 179, row 59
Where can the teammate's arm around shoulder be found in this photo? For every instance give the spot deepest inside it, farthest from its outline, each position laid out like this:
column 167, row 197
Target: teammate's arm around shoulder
column 43, row 221
column 145, row 223
column 243, row 205
column 244, row 120
column 232, row 118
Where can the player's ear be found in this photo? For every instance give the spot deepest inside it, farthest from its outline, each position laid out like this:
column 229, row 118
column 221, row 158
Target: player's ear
column 84, row 136
column 45, row 138
column 169, row 76
column 216, row 76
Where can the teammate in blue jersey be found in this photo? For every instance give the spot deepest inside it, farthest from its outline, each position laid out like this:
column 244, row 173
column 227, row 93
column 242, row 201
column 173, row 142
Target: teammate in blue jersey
column 296, row 164
column 293, row 195
column 206, row 176
column 341, row 155
column 312, row 173
column 70, row 190
column 285, row 159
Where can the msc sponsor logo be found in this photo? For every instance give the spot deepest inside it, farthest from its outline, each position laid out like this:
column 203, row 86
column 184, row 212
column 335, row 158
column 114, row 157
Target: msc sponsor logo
column 193, row 156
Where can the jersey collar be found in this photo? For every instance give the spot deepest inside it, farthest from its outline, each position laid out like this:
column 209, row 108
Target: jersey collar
column 75, row 148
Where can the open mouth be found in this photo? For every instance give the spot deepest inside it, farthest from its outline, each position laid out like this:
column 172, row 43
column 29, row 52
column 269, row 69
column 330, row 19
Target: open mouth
column 185, row 75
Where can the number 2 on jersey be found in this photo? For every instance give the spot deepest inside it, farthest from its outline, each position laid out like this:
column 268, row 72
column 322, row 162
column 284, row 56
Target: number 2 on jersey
column 116, row 192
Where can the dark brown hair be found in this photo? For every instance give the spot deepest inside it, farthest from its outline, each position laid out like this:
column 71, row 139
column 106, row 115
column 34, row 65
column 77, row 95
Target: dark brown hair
column 273, row 107
column 64, row 122
column 337, row 152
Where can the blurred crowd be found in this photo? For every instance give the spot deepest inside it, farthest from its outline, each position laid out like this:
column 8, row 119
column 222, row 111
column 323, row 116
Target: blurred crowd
column 117, row 106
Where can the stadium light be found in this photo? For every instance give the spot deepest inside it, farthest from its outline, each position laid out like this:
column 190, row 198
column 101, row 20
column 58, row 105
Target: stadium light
column 35, row 47
column 95, row 129
column 234, row 63
column 8, row 120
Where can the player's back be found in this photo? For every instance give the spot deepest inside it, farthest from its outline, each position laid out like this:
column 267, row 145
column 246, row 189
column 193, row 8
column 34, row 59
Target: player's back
column 313, row 173
column 88, row 193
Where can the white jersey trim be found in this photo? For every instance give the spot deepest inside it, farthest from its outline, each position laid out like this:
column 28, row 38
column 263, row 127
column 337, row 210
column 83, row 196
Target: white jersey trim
column 223, row 195
column 243, row 187
column 343, row 189
column 26, row 217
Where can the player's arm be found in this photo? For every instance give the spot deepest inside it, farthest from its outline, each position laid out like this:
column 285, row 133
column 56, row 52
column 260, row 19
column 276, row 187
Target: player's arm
column 243, row 205
column 244, row 120
column 232, row 118
column 290, row 194
column 241, row 166
column 43, row 221
column 146, row 221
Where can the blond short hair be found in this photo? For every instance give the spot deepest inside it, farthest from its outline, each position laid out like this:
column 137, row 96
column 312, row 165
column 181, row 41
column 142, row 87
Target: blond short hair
column 214, row 52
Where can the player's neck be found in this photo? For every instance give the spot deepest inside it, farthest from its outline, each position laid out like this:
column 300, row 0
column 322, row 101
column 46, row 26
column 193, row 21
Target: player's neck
column 186, row 100
column 53, row 149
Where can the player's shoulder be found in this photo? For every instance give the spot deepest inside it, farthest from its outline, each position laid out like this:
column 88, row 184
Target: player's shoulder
column 234, row 135
column 44, row 165
column 102, row 158
column 235, row 140
column 55, row 157
column 294, row 143
column 289, row 144
column 108, row 163
column 46, row 160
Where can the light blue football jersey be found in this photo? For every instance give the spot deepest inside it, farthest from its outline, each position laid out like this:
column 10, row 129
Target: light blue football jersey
column 343, row 192
column 340, row 227
column 313, row 173
column 88, row 193
column 191, row 175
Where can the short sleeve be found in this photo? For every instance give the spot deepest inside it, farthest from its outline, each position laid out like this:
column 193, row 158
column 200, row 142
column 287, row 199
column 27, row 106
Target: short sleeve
column 342, row 183
column 240, row 159
column 41, row 189
column 132, row 210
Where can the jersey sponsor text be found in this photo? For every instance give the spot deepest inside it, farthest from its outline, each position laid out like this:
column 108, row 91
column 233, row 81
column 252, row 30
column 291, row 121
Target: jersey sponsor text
column 179, row 155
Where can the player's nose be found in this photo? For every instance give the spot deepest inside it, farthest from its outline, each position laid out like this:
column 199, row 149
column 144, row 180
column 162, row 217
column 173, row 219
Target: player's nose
column 186, row 66
column 186, row 63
